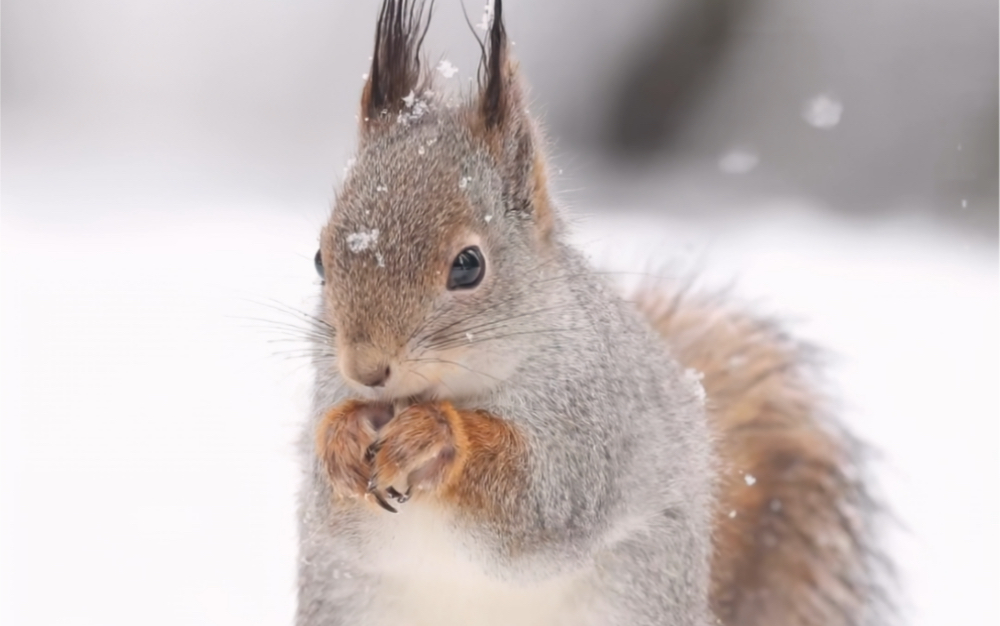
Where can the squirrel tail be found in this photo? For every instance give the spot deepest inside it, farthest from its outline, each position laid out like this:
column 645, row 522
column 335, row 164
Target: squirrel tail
column 793, row 532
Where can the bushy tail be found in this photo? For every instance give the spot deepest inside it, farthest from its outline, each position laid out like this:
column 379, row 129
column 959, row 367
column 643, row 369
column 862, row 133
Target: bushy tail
column 793, row 529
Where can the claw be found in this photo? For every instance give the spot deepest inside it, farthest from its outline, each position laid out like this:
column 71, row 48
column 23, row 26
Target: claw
column 381, row 502
column 373, row 490
column 372, row 451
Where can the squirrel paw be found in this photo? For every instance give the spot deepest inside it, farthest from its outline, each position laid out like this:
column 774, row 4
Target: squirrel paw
column 416, row 451
column 343, row 439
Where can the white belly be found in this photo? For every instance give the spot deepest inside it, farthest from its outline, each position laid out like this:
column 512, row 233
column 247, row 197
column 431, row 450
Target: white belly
column 429, row 579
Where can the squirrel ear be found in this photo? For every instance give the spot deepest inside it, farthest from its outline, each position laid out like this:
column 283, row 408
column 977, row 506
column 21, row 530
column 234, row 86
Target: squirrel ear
column 395, row 71
column 502, row 118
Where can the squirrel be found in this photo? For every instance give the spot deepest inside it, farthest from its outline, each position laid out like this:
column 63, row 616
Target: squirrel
column 498, row 437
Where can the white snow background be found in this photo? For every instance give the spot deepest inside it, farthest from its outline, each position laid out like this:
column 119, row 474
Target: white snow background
column 148, row 466
column 166, row 168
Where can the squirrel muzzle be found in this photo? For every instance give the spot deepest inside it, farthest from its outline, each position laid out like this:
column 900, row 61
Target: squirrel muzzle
column 366, row 365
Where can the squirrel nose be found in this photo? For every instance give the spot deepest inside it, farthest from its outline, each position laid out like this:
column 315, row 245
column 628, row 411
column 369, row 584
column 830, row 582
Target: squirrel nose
column 365, row 364
column 369, row 374
column 374, row 377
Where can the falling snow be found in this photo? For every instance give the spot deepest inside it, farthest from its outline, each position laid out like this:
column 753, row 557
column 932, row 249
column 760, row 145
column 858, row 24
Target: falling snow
column 446, row 68
column 822, row 112
column 750, row 480
column 487, row 20
column 463, row 182
column 738, row 161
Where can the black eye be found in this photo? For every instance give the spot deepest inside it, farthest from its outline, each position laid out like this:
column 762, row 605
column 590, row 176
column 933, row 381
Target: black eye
column 318, row 261
column 467, row 269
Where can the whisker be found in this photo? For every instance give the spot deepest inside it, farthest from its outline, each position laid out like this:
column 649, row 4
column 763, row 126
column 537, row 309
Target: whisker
column 441, row 337
column 504, row 336
column 294, row 340
column 274, row 322
column 429, row 383
column 297, row 334
column 505, row 300
column 295, row 354
column 493, row 323
column 463, row 366
column 290, row 310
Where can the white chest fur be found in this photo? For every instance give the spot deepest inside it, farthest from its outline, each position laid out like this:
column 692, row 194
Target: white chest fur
column 428, row 578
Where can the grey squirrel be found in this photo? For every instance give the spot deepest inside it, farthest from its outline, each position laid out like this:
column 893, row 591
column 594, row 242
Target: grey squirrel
column 497, row 437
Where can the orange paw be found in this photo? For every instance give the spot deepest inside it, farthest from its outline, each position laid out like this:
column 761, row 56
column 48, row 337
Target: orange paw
column 343, row 439
column 421, row 449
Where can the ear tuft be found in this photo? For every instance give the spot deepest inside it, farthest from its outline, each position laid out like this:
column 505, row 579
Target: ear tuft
column 500, row 103
column 497, row 80
column 395, row 71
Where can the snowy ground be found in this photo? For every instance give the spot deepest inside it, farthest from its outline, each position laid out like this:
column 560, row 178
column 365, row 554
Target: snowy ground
column 147, row 469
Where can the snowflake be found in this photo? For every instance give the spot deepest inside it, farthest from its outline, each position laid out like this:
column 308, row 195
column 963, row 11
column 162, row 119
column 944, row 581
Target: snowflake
column 823, row 112
column 738, row 161
column 693, row 378
column 487, row 20
column 446, row 68
column 362, row 240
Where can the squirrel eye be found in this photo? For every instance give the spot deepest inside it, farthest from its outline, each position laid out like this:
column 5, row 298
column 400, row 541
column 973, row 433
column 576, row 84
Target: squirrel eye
column 318, row 262
column 467, row 269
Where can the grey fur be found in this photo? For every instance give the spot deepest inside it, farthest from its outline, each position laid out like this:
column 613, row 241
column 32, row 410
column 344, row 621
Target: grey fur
column 620, row 460
column 620, row 453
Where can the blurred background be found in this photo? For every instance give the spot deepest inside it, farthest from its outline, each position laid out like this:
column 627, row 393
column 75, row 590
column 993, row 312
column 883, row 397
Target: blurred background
column 166, row 167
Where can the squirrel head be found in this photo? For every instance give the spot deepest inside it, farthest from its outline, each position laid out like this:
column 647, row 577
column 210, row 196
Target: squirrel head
column 441, row 227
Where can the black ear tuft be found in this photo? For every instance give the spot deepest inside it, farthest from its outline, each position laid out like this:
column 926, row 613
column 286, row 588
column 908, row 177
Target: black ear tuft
column 496, row 80
column 395, row 71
